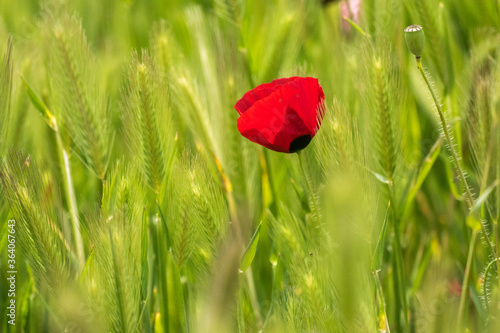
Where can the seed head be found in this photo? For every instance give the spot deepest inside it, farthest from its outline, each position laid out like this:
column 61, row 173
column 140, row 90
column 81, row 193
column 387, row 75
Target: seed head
column 415, row 39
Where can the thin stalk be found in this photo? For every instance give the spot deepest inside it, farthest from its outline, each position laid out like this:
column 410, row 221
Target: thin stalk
column 253, row 295
column 486, row 171
column 469, row 197
column 465, row 283
column 162, row 277
column 248, row 274
column 495, row 230
column 495, row 222
column 118, row 286
column 70, row 194
column 234, row 216
column 64, row 163
column 456, row 159
column 309, row 185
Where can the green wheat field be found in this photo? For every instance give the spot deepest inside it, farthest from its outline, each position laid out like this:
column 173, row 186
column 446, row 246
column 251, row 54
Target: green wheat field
column 130, row 202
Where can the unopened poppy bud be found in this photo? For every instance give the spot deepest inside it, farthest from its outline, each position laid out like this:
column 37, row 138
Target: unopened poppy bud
column 415, row 39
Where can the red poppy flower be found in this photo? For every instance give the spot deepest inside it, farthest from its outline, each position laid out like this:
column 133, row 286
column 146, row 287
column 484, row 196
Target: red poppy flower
column 283, row 115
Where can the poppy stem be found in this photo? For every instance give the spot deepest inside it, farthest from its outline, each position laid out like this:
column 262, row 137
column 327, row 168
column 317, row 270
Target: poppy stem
column 314, row 204
column 468, row 193
column 444, row 125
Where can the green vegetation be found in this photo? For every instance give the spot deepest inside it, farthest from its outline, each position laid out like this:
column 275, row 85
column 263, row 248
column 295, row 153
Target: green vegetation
column 139, row 207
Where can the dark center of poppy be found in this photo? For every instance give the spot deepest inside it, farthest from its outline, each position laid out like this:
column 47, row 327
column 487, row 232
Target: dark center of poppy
column 299, row 143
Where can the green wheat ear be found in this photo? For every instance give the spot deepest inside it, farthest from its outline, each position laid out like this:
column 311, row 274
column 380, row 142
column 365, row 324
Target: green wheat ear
column 480, row 121
column 39, row 227
column 78, row 97
column 383, row 99
column 338, row 145
column 163, row 46
column 116, row 256
column 380, row 115
column 385, row 122
column 197, row 215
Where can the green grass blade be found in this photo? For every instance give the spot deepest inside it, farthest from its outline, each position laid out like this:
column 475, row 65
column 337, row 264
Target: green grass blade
column 40, row 106
column 423, row 171
column 250, row 251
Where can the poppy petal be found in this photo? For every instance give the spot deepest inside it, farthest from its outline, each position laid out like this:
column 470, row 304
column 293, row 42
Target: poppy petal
column 261, row 123
column 303, row 96
column 260, row 92
column 283, row 115
column 272, row 125
column 293, row 128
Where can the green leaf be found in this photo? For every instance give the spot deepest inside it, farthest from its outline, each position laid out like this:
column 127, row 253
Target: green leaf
column 356, row 26
column 424, row 170
column 40, row 106
column 483, row 197
column 420, row 267
column 473, row 222
column 474, row 218
column 381, row 178
column 164, row 224
column 89, row 266
column 171, row 296
column 144, row 256
column 250, row 251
